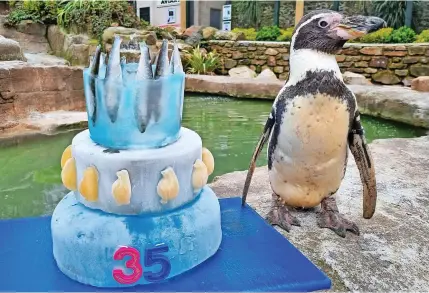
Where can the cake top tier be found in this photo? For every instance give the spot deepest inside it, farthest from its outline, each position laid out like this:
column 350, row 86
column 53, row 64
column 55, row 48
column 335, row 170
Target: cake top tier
column 134, row 105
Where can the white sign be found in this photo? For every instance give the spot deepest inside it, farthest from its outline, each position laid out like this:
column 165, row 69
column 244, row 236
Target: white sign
column 226, row 25
column 163, row 3
column 171, row 15
column 226, row 13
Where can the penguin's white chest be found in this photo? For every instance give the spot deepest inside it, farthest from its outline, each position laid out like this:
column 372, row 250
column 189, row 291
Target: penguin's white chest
column 309, row 159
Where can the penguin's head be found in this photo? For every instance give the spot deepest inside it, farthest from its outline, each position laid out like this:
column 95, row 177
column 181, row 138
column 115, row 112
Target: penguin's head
column 327, row 31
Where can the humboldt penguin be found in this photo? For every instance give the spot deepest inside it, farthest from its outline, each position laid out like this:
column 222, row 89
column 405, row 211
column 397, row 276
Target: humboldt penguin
column 313, row 121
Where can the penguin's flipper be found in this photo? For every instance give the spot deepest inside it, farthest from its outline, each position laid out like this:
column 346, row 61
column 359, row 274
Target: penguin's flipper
column 365, row 164
column 262, row 140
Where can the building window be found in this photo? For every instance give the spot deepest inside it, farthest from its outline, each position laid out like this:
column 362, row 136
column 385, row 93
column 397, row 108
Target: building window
column 215, row 16
column 145, row 14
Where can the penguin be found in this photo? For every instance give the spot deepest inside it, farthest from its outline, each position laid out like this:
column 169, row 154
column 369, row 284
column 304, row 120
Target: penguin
column 313, row 122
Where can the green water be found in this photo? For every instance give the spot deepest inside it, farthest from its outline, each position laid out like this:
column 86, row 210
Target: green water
column 30, row 182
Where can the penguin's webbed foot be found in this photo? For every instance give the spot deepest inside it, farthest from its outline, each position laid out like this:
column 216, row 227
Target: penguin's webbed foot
column 329, row 217
column 280, row 215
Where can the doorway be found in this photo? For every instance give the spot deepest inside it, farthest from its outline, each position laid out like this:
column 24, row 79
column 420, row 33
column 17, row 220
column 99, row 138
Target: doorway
column 215, row 16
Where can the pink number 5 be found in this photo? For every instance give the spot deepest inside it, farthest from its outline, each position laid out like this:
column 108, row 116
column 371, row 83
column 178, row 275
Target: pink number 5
column 133, row 263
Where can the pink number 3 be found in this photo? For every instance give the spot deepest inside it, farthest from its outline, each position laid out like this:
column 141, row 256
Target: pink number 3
column 133, row 263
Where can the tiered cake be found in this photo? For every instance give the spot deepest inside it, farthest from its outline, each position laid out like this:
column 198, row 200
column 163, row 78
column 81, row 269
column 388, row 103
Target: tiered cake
column 139, row 210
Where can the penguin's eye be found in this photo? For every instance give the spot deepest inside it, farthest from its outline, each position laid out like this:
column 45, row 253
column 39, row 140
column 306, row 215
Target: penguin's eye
column 323, row 23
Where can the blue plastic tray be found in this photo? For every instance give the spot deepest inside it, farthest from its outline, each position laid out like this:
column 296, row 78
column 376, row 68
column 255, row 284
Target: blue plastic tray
column 253, row 257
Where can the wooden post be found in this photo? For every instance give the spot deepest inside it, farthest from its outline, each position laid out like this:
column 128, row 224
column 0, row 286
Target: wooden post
column 277, row 13
column 409, row 13
column 299, row 10
column 183, row 14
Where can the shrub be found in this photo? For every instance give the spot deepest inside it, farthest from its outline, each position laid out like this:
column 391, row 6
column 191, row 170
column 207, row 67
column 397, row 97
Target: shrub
column 37, row 11
column 96, row 16
column 423, row 37
column 200, row 62
column 250, row 33
column 402, row 35
column 380, row 36
column 286, row 35
column 268, row 33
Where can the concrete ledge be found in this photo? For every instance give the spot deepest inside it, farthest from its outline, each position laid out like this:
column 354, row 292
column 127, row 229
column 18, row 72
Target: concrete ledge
column 392, row 253
column 395, row 103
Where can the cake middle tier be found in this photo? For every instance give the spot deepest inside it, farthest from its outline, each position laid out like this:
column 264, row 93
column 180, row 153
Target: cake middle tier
column 131, row 182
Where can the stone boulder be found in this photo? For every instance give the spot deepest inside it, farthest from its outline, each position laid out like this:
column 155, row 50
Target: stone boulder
column 31, row 28
column 56, row 37
column 390, row 255
column 267, row 74
column 129, row 34
column 208, row 32
column 355, row 78
column 229, row 36
column 242, row 72
column 419, row 70
column 10, row 50
column 420, row 84
column 386, row 77
column 192, row 30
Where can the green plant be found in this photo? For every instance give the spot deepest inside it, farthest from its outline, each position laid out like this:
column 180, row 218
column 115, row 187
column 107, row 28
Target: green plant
column 200, row 62
column 250, row 12
column 423, row 37
column 393, row 12
column 286, row 35
column 402, row 35
column 96, row 15
column 37, row 11
column 268, row 33
column 381, row 36
column 250, row 33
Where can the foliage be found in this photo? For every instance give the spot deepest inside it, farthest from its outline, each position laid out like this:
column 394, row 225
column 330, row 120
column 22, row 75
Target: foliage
column 200, row 62
column 423, row 37
column 268, row 33
column 96, row 15
column 250, row 33
column 250, row 12
column 286, row 35
column 381, row 36
column 402, row 35
column 393, row 12
column 37, row 11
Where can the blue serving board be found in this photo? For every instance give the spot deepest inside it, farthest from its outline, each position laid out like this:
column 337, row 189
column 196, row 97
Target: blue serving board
column 253, row 257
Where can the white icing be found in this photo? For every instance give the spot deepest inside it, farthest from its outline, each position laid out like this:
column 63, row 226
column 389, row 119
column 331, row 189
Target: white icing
column 144, row 168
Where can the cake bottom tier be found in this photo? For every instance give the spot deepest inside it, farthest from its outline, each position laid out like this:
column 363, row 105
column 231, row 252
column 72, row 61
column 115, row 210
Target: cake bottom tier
column 107, row 250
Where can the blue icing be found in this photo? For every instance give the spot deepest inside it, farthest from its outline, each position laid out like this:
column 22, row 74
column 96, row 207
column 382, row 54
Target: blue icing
column 164, row 95
column 85, row 240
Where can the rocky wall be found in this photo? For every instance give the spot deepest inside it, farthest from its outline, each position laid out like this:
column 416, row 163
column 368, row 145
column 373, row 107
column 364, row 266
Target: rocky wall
column 25, row 89
column 384, row 64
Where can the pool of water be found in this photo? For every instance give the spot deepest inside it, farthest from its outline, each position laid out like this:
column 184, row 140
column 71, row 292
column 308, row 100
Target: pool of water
column 30, row 182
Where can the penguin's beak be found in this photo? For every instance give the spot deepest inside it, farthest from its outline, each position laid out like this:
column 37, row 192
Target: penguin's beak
column 352, row 27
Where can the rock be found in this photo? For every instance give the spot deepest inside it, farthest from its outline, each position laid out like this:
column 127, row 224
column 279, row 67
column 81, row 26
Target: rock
column 271, row 61
column 424, row 60
column 379, row 259
column 10, row 50
column 363, row 64
column 379, row 62
column 420, row 84
column 372, row 51
column 233, row 86
column 208, row 32
column 395, row 103
column 419, row 70
column 229, row 63
column 78, row 54
column 56, row 37
column 183, row 46
column 395, row 53
column 190, row 31
column 370, row 70
column 194, row 40
column 138, row 35
column 271, row 52
column 417, row 50
column 242, row 72
column 340, row 58
column 229, row 36
column 407, row 81
column 278, row 69
column 237, row 55
column 32, row 28
column 52, row 122
column 403, row 72
column 45, row 59
column 354, row 78
column 411, row 59
column 386, row 77
column 284, row 76
column 267, row 74
column 397, row 66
